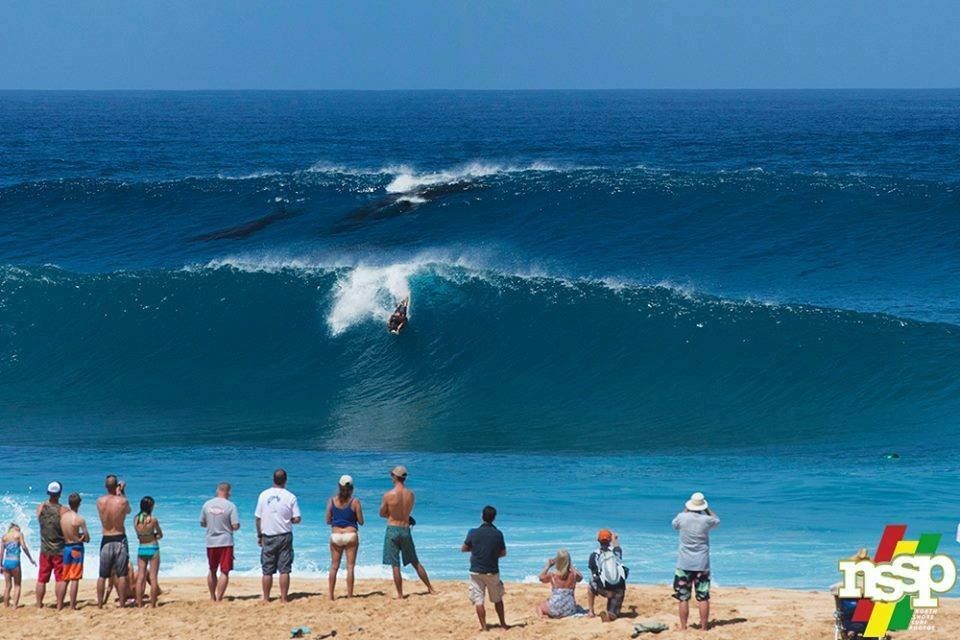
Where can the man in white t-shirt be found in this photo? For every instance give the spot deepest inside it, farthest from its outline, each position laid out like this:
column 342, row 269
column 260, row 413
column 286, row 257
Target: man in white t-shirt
column 277, row 512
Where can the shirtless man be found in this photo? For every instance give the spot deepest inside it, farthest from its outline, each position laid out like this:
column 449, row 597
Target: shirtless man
column 75, row 533
column 113, row 508
column 396, row 507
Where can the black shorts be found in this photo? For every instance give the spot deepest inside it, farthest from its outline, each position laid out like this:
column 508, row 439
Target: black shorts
column 614, row 595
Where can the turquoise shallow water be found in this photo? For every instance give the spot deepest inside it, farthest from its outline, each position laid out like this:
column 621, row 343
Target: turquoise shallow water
column 785, row 520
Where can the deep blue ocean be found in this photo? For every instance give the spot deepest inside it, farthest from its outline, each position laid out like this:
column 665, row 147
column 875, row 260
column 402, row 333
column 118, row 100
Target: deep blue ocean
column 618, row 298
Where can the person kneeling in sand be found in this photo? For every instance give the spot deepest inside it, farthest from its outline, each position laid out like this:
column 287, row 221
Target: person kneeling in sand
column 563, row 581
column 396, row 507
column 486, row 546
column 693, row 560
column 608, row 576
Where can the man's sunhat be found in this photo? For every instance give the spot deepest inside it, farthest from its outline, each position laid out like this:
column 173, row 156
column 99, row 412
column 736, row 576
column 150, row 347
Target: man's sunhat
column 54, row 488
column 697, row 502
column 604, row 535
column 345, row 480
column 399, row 471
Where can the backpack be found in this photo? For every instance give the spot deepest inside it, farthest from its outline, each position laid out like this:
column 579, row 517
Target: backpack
column 609, row 568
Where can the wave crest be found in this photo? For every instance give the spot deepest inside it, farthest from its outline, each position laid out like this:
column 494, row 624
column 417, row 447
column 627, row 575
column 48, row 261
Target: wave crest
column 368, row 293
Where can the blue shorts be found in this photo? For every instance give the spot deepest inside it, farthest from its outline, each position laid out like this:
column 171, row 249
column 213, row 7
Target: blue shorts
column 397, row 542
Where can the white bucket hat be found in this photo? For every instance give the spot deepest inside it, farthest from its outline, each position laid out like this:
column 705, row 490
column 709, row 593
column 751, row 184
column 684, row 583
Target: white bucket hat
column 697, row 502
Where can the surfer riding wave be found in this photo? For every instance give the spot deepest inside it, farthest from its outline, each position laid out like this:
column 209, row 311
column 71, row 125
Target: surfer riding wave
column 398, row 320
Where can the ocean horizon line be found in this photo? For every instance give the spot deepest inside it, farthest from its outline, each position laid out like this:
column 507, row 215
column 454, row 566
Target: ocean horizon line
column 222, row 90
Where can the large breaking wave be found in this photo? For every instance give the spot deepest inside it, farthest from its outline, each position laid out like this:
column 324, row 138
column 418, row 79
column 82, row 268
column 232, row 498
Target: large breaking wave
column 290, row 352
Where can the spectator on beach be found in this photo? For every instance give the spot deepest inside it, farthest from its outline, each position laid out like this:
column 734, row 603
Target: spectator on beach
column 396, row 507
column 149, row 534
column 12, row 543
column 563, row 581
column 75, row 534
column 113, row 508
column 220, row 517
column 486, row 546
column 51, row 545
column 693, row 560
column 277, row 511
column 608, row 576
column 344, row 515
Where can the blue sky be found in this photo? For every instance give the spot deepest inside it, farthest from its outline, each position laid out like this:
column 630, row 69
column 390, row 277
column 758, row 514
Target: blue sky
column 490, row 44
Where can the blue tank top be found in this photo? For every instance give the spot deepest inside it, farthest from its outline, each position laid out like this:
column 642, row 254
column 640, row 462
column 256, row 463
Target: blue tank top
column 346, row 517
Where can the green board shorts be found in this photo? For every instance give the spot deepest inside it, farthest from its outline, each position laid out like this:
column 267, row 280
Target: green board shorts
column 397, row 542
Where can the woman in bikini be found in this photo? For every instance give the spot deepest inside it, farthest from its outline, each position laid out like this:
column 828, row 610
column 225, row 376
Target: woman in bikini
column 148, row 555
column 562, row 580
column 11, row 545
column 344, row 515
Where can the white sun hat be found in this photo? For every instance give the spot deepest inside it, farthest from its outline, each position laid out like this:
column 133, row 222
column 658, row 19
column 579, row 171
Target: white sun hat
column 697, row 502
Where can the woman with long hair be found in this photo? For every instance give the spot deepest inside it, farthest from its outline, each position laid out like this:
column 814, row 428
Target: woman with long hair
column 562, row 580
column 345, row 516
column 148, row 555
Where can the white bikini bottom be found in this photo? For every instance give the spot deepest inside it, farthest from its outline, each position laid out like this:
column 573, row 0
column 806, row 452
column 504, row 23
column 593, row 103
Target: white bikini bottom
column 343, row 539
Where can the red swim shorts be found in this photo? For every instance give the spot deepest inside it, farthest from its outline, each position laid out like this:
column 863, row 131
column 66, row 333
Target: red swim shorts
column 50, row 562
column 220, row 558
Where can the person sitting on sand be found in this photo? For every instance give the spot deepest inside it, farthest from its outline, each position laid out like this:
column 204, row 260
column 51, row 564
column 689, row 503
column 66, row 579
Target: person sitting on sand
column 11, row 545
column 608, row 576
column 693, row 560
column 344, row 515
column 486, row 546
column 113, row 508
column 847, row 606
column 396, row 507
column 219, row 517
column 562, row 580
column 132, row 581
column 75, row 534
column 148, row 555
column 276, row 513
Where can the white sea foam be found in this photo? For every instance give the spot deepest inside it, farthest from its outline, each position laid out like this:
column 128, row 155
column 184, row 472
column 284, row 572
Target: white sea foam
column 333, row 168
column 254, row 175
column 366, row 293
column 408, row 180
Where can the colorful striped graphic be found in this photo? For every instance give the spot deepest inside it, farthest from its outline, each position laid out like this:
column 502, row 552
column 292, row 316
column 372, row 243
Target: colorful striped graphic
column 882, row 617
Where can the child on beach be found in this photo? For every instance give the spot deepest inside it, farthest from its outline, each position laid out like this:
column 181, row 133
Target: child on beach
column 10, row 547
column 148, row 555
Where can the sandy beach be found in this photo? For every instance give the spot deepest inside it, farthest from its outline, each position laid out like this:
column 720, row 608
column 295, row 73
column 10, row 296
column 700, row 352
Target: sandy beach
column 185, row 613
